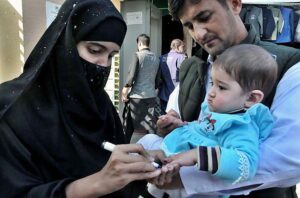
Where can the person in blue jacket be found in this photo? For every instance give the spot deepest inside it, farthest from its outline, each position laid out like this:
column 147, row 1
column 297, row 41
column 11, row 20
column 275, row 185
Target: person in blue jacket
column 225, row 139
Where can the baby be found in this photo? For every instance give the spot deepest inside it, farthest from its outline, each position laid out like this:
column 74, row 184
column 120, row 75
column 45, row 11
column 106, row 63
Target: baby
column 233, row 122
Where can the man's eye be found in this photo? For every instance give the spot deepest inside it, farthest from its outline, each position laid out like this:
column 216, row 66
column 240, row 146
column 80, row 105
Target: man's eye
column 204, row 17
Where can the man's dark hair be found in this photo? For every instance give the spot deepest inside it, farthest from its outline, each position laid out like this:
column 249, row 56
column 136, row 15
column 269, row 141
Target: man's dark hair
column 144, row 39
column 174, row 6
column 250, row 65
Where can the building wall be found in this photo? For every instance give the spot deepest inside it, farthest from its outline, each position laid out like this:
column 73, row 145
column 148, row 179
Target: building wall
column 24, row 23
column 34, row 21
column 11, row 39
column 117, row 3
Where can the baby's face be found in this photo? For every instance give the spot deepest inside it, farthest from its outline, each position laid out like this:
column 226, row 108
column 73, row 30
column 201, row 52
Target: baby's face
column 225, row 95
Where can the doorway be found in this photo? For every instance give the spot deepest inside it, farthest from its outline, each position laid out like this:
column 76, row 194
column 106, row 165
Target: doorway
column 170, row 30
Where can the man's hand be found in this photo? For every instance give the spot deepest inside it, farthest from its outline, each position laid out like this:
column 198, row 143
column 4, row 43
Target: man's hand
column 166, row 123
column 124, row 94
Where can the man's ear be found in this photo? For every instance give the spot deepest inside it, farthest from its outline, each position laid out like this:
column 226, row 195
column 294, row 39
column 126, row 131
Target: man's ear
column 255, row 96
column 235, row 6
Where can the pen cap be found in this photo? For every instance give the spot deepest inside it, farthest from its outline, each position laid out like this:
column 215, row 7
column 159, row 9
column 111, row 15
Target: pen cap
column 108, row 146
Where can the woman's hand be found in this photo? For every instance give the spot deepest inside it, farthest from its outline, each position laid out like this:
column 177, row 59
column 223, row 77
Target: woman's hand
column 166, row 123
column 123, row 167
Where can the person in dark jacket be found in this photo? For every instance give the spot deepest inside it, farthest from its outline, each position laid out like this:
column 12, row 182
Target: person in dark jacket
column 216, row 25
column 56, row 114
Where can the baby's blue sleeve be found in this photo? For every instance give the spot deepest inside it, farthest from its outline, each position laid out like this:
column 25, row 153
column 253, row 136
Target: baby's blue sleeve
column 239, row 154
column 239, row 145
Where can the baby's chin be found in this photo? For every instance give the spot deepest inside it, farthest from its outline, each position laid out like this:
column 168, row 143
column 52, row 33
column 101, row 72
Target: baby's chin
column 213, row 109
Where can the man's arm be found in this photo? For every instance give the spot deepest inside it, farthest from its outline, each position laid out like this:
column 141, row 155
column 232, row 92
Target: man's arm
column 132, row 71
column 166, row 123
column 131, row 77
column 280, row 157
column 283, row 144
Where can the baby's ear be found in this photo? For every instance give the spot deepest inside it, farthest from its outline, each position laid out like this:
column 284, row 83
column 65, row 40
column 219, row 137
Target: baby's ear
column 255, row 96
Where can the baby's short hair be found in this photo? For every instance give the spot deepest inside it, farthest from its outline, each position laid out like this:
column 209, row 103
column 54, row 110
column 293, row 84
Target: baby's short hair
column 250, row 65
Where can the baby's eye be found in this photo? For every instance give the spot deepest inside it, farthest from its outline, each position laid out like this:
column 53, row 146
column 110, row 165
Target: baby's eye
column 222, row 87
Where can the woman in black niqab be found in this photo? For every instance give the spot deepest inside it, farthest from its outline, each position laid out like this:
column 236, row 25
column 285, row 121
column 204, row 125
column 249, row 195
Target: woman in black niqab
column 56, row 114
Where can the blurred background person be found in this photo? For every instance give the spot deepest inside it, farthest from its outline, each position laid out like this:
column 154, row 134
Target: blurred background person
column 142, row 81
column 169, row 67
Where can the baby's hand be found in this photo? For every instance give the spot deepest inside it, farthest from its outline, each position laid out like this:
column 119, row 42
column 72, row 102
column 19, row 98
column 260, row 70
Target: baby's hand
column 188, row 158
column 169, row 177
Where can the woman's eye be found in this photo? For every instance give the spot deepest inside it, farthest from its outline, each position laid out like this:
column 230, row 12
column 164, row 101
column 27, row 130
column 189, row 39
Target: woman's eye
column 94, row 51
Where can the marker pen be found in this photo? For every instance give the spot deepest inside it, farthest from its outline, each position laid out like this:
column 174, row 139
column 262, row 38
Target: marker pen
column 110, row 147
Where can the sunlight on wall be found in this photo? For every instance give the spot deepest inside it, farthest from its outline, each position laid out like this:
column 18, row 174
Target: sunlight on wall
column 117, row 4
column 12, row 38
column 21, row 36
column 17, row 5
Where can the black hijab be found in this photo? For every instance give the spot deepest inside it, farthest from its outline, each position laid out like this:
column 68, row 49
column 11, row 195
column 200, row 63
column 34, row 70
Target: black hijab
column 51, row 123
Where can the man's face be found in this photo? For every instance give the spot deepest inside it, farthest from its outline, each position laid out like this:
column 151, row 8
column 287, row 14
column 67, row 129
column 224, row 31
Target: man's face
column 210, row 24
